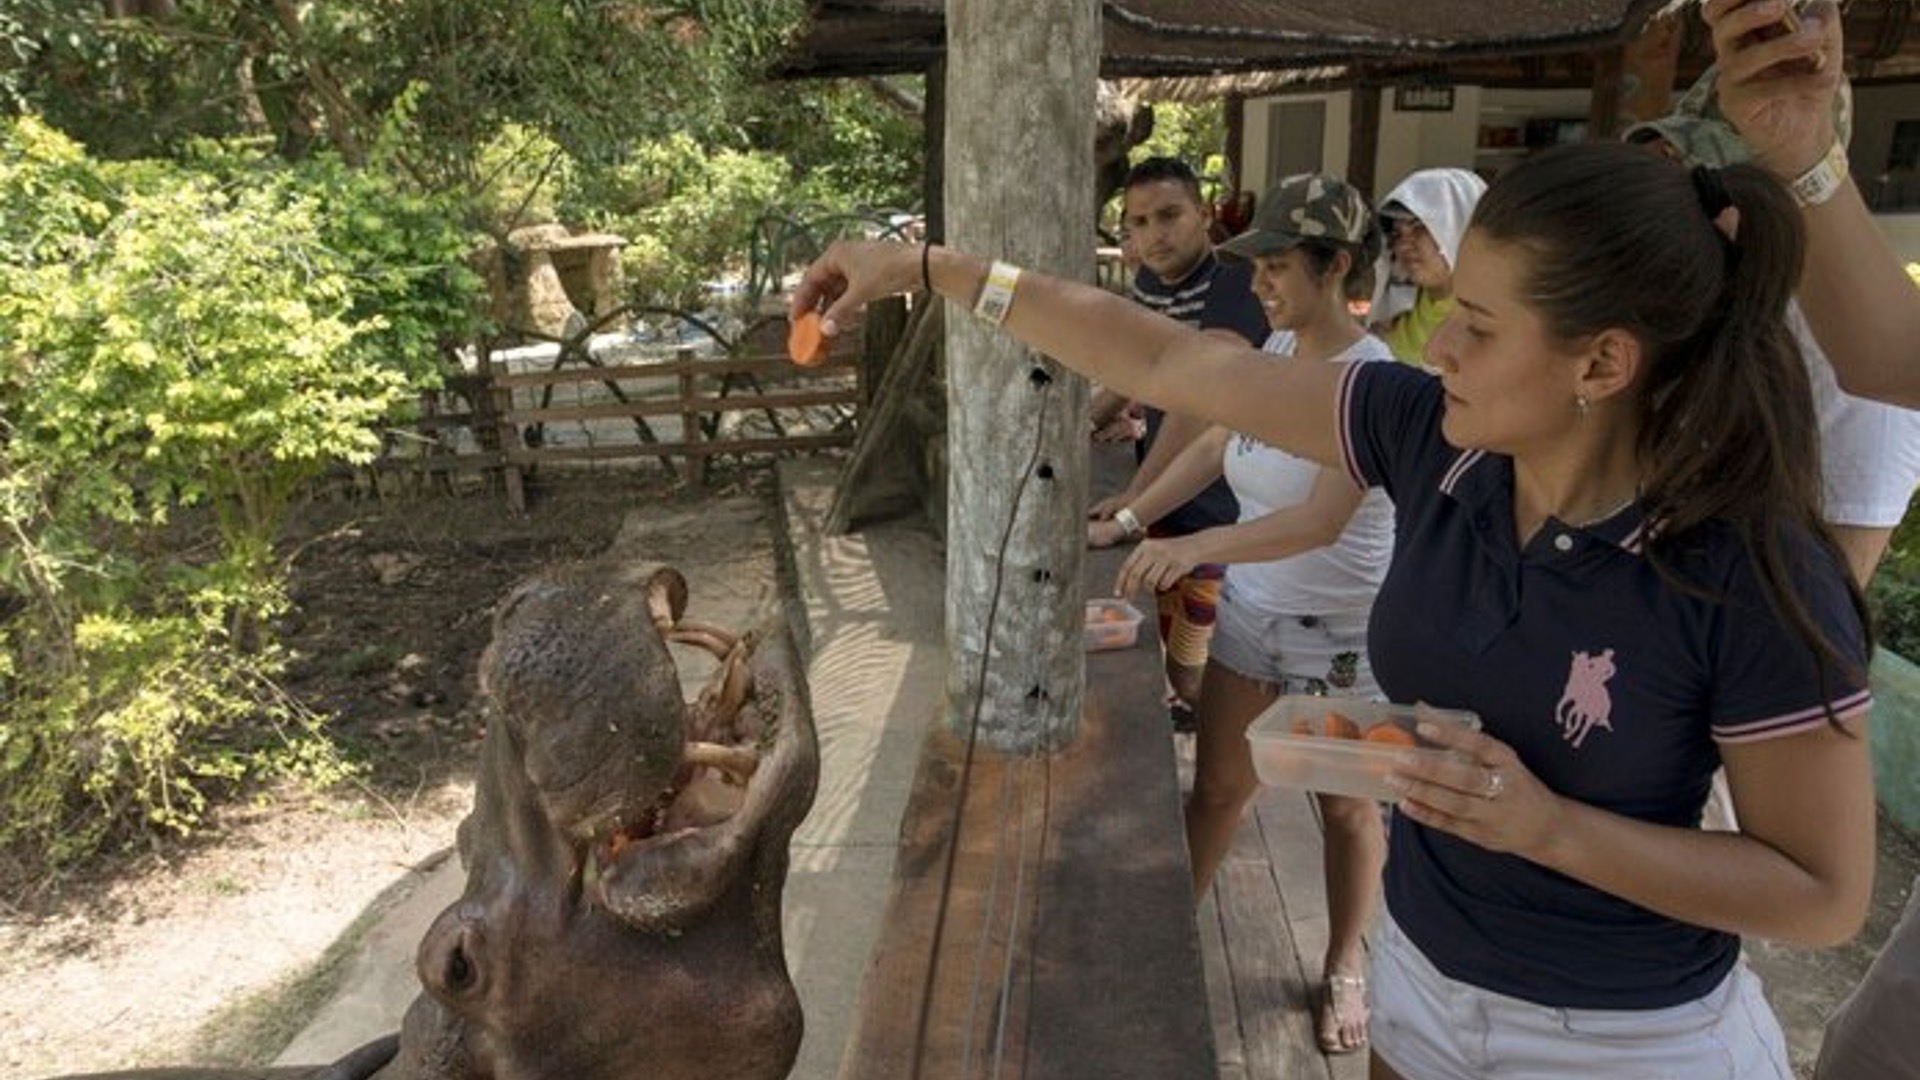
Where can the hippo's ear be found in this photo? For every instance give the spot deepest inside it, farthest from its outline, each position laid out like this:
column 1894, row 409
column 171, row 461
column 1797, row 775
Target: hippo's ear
column 666, row 597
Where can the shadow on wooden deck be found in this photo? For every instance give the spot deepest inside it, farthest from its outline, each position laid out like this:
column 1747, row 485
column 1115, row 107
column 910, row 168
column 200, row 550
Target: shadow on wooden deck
column 1263, row 931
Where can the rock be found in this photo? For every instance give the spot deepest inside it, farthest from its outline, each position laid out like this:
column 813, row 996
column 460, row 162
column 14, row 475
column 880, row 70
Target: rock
column 392, row 568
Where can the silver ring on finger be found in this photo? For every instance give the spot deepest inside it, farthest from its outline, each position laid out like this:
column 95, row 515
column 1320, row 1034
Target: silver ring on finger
column 1496, row 783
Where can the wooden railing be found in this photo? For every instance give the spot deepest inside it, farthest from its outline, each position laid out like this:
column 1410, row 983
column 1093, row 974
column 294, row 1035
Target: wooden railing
column 510, row 414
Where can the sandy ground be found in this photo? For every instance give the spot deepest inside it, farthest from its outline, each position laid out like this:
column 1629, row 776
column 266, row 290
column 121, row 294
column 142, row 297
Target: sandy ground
column 205, row 951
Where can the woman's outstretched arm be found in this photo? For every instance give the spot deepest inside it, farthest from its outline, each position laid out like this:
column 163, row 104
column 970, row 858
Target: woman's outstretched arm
column 1105, row 337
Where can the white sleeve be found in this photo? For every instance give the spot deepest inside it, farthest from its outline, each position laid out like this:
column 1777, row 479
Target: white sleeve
column 1869, row 452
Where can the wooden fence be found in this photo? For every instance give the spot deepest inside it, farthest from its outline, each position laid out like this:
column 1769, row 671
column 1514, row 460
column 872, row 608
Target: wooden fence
column 512, row 413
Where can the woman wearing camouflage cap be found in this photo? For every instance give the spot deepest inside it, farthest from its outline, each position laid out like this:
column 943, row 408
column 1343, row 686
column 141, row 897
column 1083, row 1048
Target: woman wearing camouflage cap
column 1303, row 564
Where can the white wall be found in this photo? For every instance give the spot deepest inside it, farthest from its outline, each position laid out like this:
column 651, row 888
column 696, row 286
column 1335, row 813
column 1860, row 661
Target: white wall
column 1412, row 141
column 1408, row 140
column 1333, row 144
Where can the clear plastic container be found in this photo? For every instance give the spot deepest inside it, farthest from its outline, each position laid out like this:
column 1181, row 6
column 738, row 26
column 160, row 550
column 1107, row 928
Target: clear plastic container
column 1111, row 624
column 1342, row 746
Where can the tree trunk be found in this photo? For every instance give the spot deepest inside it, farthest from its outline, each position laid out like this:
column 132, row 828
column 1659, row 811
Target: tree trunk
column 334, row 105
column 1019, row 186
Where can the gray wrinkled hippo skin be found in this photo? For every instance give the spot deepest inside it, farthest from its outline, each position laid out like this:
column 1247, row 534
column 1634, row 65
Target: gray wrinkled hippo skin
column 625, row 856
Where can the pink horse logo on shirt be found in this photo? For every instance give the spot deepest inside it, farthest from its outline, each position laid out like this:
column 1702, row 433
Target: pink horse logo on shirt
column 1586, row 704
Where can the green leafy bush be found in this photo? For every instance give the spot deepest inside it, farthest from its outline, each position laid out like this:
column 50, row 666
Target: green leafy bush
column 1895, row 593
column 213, row 332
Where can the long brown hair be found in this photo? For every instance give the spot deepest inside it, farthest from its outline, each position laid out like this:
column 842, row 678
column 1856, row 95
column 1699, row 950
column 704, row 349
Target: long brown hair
column 1616, row 237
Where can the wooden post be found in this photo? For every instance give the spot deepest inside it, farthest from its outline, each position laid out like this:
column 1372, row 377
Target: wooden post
column 1019, row 187
column 1603, row 116
column 509, row 432
column 933, row 133
column 690, row 421
column 1363, row 138
column 886, row 327
column 1235, row 110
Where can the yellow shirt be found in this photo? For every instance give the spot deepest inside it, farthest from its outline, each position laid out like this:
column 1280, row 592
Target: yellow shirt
column 1407, row 335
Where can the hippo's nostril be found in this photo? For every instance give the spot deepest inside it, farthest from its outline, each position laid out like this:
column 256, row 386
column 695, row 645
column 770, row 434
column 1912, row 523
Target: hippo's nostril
column 459, row 974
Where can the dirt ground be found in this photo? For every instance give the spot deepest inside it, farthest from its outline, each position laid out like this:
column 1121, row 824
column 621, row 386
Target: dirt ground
column 156, row 956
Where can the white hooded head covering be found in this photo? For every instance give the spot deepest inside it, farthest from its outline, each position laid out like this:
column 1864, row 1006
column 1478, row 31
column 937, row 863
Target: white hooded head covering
column 1443, row 200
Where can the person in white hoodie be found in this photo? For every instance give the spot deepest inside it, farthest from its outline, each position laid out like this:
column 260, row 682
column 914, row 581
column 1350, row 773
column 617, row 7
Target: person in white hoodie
column 1425, row 216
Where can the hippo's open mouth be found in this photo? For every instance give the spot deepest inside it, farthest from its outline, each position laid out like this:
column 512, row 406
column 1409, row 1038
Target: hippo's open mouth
column 661, row 864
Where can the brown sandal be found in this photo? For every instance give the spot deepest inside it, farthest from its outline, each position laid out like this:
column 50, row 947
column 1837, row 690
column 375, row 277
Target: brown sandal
column 1343, row 1004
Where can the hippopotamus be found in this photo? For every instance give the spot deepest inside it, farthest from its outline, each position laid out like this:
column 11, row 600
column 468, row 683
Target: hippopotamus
column 626, row 853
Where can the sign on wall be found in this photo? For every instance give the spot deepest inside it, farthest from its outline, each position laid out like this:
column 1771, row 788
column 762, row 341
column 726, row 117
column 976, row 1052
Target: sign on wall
column 1423, row 98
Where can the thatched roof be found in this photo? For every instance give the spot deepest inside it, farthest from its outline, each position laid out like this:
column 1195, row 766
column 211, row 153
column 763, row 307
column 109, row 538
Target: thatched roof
column 1159, row 38
column 1217, row 47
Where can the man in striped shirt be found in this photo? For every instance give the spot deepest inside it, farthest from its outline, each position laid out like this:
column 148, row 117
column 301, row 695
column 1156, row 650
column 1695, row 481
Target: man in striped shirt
column 1167, row 223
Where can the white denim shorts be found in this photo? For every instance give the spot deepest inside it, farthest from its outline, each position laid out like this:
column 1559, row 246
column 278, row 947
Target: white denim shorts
column 1430, row 1027
column 1295, row 654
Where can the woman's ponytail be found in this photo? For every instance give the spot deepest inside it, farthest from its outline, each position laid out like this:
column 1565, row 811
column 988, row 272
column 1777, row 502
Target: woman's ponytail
column 1700, row 266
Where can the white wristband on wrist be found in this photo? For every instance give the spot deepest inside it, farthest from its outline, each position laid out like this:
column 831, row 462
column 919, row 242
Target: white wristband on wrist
column 996, row 294
column 1818, row 184
column 1129, row 523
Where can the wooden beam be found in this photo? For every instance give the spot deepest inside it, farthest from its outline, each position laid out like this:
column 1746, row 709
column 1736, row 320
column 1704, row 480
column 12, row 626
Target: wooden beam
column 1603, row 115
column 933, row 134
column 1235, row 109
column 1020, row 187
column 1363, row 139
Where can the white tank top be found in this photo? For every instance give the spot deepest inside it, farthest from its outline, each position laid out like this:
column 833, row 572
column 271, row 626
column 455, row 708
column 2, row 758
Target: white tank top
column 1344, row 575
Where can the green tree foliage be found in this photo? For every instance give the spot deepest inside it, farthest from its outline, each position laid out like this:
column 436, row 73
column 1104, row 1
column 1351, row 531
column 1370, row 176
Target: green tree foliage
column 686, row 212
column 215, row 331
column 595, row 75
column 233, row 236
column 1196, row 134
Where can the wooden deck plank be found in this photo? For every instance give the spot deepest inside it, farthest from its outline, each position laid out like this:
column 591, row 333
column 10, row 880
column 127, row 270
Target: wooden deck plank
column 1070, row 950
column 1269, row 987
column 1219, row 974
column 1292, row 832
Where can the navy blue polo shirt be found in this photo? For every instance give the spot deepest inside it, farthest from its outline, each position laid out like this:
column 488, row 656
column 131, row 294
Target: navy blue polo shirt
column 1214, row 295
column 1613, row 686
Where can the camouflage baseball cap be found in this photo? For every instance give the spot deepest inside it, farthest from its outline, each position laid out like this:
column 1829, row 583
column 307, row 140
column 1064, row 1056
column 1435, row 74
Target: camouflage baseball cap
column 1311, row 206
column 1700, row 134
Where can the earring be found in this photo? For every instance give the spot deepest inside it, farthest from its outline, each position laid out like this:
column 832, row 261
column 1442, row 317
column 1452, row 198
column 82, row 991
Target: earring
column 1580, row 402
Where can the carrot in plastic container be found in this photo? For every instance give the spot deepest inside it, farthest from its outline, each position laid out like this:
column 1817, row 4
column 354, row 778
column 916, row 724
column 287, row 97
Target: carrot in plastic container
column 1340, row 727
column 806, row 345
column 1392, row 734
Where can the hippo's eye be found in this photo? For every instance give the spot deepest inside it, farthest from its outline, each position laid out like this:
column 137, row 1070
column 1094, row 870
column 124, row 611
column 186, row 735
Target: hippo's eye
column 459, row 970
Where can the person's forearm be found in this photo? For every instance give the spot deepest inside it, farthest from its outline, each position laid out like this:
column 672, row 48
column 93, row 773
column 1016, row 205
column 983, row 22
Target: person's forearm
column 1176, row 436
column 1727, row 881
column 1187, row 475
column 1279, row 535
column 1861, row 304
column 1153, row 359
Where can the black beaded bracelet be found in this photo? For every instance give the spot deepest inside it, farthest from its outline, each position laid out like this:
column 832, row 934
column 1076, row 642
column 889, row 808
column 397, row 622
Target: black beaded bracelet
column 926, row 270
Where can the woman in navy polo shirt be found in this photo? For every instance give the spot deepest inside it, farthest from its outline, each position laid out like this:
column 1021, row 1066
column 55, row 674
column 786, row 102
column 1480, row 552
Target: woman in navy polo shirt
column 1609, row 546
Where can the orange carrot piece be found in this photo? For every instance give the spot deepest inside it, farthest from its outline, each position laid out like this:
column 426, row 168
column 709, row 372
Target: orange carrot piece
column 806, row 345
column 1392, row 734
column 1339, row 727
